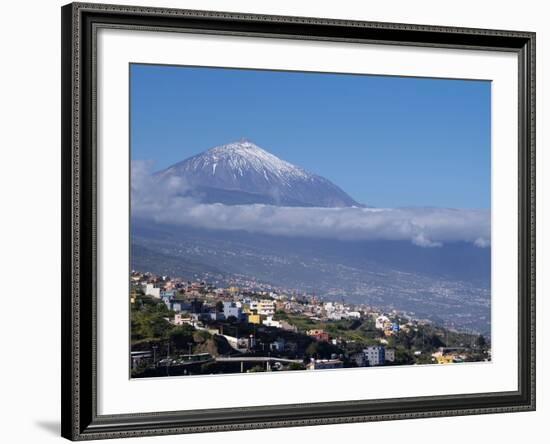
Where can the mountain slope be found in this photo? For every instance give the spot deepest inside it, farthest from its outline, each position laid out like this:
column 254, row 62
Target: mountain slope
column 450, row 285
column 243, row 173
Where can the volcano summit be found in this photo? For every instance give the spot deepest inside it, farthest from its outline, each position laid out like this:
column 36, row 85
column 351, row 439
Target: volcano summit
column 243, row 173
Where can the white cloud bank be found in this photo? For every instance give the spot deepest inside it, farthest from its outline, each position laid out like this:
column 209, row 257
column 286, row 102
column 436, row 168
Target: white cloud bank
column 425, row 227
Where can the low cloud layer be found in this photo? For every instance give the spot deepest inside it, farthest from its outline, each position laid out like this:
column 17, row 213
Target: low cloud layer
column 425, row 227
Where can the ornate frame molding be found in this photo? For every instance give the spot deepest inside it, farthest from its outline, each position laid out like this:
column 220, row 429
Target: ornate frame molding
column 79, row 393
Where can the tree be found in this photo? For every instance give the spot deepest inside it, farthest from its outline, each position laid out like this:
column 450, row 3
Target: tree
column 403, row 356
column 436, row 342
column 321, row 350
column 481, row 342
column 149, row 325
column 182, row 336
column 296, row 366
column 219, row 306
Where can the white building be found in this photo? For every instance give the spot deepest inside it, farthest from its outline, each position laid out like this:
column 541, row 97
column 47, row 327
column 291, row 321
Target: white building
column 375, row 355
column 151, row 290
column 264, row 307
column 269, row 322
column 382, row 322
column 353, row 315
column 390, row 355
column 178, row 319
column 232, row 309
column 335, row 315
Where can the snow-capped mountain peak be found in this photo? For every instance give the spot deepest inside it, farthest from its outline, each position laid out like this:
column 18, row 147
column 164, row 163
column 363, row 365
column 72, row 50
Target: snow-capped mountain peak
column 245, row 154
column 242, row 172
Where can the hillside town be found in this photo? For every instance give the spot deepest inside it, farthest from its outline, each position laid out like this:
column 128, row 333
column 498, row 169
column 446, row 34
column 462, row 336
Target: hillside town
column 181, row 327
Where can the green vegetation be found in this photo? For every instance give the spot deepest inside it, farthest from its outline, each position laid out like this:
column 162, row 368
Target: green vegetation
column 358, row 331
column 182, row 336
column 322, row 350
column 256, row 369
column 296, row 366
column 151, row 330
column 149, row 322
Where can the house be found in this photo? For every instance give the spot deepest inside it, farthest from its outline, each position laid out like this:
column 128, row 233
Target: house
column 231, row 308
column 335, row 315
column 382, row 322
column 151, row 290
column 446, row 356
column 179, row 319
column 215, row 315
column 353, row 315
column 443, row 359
column 389, row 355
column 269, row 322
column 319, row 335
column 264, row 307
column 170, row 294
column 360, row 359
column 375, row 354
column 179, row 306
column 199, row 286
column 254, row 318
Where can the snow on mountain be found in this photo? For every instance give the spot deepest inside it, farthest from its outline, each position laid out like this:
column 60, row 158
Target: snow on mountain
column 243, row 173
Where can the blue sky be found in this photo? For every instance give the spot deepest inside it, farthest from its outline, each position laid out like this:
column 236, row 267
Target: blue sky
column 387, row 141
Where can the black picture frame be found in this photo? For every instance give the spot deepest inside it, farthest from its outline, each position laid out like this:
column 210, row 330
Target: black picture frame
column 80, row 420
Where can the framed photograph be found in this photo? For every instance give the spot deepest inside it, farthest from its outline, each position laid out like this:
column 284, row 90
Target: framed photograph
column 275, row 221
